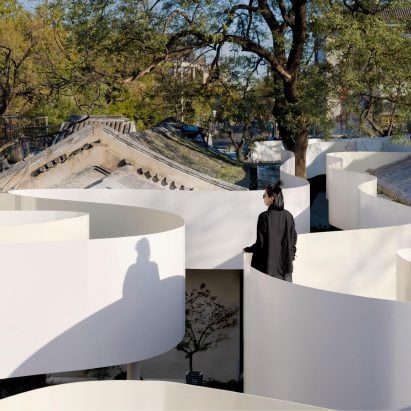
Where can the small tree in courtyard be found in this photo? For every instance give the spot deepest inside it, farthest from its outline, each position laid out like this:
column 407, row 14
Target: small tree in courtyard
column 206, row 322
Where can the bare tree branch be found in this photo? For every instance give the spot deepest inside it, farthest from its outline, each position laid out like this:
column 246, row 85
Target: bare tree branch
column 249, row 45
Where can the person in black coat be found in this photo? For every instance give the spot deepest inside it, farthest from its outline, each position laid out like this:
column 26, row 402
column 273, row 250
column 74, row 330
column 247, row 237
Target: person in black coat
column 275, row 247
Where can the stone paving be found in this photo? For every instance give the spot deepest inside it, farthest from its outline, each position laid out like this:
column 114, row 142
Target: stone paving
column 394, row 180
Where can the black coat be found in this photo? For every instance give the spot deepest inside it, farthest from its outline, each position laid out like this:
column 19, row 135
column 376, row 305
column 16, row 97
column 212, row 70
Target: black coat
column 275, row 247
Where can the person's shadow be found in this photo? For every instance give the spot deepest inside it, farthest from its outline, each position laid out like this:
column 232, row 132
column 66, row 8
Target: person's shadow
column 143, row 273
column 147, row 321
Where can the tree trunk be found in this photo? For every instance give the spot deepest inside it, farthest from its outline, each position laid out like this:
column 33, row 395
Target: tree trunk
column 297, row 143
column 190, row 361
column 300, row 151
column 4, row 104
column 293, row 129
column 239, row 151
column 238, row 146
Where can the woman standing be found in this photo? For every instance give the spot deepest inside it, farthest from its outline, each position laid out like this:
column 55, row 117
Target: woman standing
column 275, row 247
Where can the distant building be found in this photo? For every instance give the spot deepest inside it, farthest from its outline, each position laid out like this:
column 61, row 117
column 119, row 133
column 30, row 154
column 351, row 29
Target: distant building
column 197, row 68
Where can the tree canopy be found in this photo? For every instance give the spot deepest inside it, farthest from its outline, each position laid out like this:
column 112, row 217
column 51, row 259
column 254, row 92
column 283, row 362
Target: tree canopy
column 370, row 72
column 119, row 56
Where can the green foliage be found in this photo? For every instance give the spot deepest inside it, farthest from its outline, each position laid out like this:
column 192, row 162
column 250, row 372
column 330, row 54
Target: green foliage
column 57, row 109
column 120, row 57
column 105, row 43
column 206, row 322
column 20, row 34
column 370, row 59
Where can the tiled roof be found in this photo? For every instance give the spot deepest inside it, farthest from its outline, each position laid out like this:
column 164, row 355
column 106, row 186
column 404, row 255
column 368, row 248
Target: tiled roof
column 396, row 14
column 394, row 180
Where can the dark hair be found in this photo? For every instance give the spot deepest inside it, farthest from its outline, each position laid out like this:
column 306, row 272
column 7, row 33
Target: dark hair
column 274, row 190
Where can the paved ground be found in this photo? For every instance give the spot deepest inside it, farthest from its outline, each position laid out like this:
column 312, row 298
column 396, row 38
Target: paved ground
column 319, row 213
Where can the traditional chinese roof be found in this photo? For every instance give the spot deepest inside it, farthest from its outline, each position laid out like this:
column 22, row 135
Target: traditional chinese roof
column 393, row 15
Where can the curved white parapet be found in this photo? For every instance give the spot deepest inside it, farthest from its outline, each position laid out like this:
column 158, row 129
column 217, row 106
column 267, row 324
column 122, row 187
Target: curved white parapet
column 337, row 349
column 140, row 396
column 357, row 262
column 42, row 226
column 352, row 193
column 266, row 151
column 115, row 299
column 318, row 149
column 328, row 349
column 404, row 274
column 306, row 342
column 297, row 191
column 219, row 223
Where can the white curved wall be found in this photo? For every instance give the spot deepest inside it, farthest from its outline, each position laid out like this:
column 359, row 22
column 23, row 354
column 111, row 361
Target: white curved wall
column 301, row 344
column 266, row 151
column 328, row 349
column 352, row 192
column 91, row 303
column 139, row 396
column 375, row 211
column 317, row 150
column 307, row 344
column 362, row 160
column 7, row 201
column 219, row 223
column 358, row 262
column 404, row 274
column 37, row 226
column 297, row 192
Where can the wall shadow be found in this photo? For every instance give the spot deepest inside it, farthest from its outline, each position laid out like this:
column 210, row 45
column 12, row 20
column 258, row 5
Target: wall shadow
column 146, row 321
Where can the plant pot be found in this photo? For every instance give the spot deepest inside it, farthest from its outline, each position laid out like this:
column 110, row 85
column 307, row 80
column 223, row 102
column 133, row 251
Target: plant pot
column 194, row 378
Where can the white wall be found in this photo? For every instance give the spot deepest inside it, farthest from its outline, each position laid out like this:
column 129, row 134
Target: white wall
column 317, row 150
column 375, row 211
column 266, row 151
column 92, row 303
column 352, row 192
column 320, row 340
column 356, row 262
column 297, row 193
column 333, row 350
column 139, row 396
column 361, row 161
column 7, row 201
column 37, row 226
column 219, row 223
column 302, row 342
column 404, row 274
